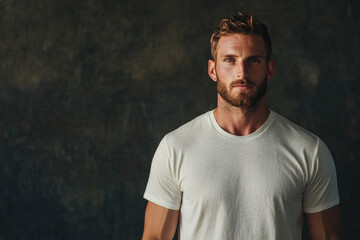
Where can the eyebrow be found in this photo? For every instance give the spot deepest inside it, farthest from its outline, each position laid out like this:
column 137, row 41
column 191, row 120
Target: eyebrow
column 256, row 56
column 229, row 55
column 234, row 56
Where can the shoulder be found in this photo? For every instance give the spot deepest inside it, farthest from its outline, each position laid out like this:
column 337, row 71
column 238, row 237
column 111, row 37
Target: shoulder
column 190, row 130
column 294, row 134
column 298, row 143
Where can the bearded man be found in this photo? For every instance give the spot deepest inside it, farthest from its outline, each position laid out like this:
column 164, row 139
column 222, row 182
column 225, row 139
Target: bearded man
column 241, row 171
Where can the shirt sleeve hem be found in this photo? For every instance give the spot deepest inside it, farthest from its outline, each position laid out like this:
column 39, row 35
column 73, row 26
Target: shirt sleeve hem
column 162, row 203
column 321, row 207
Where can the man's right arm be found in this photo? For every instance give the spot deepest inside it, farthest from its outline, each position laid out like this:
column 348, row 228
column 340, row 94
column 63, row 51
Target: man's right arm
column 160, row 222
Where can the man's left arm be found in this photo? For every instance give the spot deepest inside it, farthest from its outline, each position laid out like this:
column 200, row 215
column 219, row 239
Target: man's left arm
column 324, row 225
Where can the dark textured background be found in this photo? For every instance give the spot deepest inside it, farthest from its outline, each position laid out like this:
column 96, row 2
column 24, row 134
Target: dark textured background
column 88, row 89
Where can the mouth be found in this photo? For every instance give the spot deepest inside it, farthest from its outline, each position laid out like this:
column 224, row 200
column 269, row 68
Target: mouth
column 242, row 86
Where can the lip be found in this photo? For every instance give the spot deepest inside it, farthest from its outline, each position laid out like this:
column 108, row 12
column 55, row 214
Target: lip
column 242, row 86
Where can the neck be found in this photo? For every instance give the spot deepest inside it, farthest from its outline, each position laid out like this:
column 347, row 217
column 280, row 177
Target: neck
column 239, row 121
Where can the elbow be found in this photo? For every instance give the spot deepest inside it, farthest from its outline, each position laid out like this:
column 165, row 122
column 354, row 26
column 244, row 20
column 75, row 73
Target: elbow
column 153, row 238
column 158, row 236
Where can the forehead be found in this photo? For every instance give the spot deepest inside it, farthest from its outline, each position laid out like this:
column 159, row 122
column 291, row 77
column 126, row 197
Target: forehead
column 241, row 43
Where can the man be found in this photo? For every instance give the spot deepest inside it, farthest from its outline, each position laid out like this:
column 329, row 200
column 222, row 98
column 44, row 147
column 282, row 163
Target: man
column 241, row 171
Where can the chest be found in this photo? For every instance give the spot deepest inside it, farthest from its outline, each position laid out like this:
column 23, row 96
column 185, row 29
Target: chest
column 253, row 174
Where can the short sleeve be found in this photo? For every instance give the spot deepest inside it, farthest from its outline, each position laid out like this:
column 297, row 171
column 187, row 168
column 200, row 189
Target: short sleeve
column 321, row 191
column 162, row 188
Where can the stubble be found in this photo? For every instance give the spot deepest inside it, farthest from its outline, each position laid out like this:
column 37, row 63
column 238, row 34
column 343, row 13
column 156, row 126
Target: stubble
column 245, row 99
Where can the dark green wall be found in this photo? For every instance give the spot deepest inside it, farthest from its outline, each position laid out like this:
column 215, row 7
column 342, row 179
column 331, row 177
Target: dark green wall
column 88, row 89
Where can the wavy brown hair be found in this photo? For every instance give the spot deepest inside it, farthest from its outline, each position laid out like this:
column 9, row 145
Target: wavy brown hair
column 244, row 24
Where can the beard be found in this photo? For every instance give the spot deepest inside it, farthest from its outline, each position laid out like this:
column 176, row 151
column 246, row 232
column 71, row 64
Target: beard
column 245, row 99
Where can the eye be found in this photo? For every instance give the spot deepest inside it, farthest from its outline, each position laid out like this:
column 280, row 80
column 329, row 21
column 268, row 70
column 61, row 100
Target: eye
column 229, row 60
column 254, row 60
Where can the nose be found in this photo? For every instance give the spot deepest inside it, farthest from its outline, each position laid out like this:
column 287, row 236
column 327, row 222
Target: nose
column 240, row 70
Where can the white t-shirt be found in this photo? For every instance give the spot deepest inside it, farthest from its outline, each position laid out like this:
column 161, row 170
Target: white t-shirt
column 242, row 187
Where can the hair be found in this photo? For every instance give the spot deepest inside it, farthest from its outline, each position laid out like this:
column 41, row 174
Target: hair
column 243, row 24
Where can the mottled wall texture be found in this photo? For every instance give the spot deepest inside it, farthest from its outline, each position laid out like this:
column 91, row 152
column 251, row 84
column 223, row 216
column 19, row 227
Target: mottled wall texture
column 88, row 88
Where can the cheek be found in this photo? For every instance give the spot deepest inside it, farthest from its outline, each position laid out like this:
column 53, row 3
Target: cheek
column 225, row 71
column 257, row 72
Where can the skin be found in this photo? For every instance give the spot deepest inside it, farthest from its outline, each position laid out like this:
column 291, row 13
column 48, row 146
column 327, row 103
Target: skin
column 240, row 59
column 325, row 224
column 239, row 69
column 160, row 222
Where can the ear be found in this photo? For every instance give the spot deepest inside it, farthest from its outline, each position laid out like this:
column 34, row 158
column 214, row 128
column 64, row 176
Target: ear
column 271, row 70
column 212, row 70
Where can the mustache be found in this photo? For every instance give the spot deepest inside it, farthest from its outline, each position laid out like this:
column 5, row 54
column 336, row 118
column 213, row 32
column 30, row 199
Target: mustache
column 245, row 82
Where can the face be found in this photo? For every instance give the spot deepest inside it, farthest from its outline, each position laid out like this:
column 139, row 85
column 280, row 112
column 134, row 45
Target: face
column 241, row 70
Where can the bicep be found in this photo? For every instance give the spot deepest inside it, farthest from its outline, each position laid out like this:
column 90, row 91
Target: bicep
column 325, row 224
column 160, row 222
